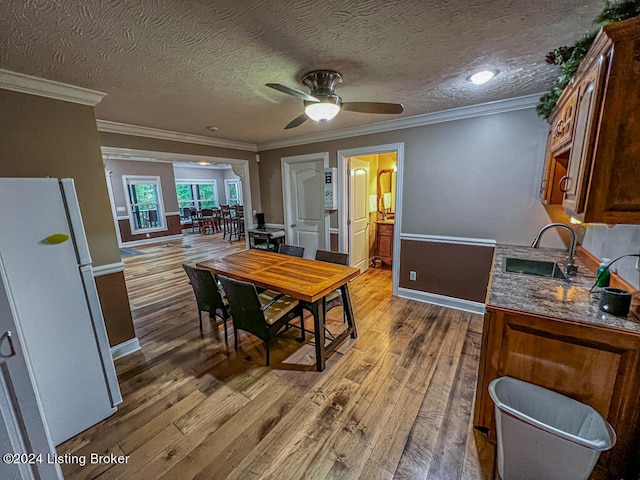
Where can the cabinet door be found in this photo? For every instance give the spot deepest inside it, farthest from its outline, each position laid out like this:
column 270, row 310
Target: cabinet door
column 596, row 366
column 575, row 182
column 562, row 123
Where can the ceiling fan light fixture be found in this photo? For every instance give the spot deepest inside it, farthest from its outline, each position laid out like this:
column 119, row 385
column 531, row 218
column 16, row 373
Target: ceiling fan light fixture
column 321, row 111
column 480, row 78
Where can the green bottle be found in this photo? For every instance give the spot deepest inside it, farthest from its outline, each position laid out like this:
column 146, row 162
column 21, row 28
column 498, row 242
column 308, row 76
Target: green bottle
column 603, row 275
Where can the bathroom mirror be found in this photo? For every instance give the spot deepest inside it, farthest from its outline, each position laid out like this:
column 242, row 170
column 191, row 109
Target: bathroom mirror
column 387, row 191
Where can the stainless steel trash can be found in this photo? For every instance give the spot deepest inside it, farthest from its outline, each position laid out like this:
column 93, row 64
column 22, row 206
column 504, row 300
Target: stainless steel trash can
column 545, row 435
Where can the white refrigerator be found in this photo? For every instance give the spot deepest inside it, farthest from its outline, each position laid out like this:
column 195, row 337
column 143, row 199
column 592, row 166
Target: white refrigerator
column 46, row 271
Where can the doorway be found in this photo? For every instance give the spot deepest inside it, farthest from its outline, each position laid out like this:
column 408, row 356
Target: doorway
column 384, row 208
column 205, row 189
column 306, row 222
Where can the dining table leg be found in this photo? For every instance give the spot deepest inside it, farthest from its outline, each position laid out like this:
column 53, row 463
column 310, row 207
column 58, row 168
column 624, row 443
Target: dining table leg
column 348, row 310
column 317, row 309
column 318, row 329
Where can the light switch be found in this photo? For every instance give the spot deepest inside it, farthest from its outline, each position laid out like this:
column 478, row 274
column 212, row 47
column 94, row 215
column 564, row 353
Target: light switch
column 412, row 275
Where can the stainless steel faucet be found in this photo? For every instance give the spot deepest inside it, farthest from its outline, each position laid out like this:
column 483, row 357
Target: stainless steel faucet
column 570, row 268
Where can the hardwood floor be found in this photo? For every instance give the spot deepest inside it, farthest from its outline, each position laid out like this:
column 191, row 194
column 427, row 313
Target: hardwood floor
column 394, row 403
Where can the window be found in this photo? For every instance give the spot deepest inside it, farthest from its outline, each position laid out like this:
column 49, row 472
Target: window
column 233, row 191
column 144, row 202
column 196, row 194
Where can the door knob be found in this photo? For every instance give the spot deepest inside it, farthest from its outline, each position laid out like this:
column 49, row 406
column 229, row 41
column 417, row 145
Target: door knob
column 293, row 225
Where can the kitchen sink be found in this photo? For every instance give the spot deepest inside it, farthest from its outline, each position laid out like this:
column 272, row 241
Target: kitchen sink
column 539, row 268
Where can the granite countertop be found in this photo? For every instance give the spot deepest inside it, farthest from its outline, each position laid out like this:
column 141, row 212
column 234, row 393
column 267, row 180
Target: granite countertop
column 564, row 299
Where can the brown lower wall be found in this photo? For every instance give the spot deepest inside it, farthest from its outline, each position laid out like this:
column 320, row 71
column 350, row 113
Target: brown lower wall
column 114, row 300
column 334, row 242
column 173, row 228
column 450, row 269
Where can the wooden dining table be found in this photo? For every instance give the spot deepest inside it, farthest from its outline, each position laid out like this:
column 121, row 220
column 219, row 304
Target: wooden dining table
column 306, row 280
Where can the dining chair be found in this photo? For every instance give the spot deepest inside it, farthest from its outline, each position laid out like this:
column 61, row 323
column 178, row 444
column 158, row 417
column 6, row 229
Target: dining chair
column 207, row 220
column 262, row 314
column 292, row 250
column 208, row 296
column 196, row 222
column 217, row 220
column 238, row 221
column 334, row 298
column 227, row 220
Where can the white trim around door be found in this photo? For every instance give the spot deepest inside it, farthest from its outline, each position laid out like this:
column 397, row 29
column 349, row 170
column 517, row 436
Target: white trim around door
column 343, row 184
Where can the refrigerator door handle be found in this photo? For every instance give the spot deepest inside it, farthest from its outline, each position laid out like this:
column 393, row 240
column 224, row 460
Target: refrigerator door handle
column 12, row 348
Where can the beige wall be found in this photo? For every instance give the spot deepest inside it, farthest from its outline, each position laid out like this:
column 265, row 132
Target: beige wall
column 41, row 137
column 476, row 177
column 155, row 145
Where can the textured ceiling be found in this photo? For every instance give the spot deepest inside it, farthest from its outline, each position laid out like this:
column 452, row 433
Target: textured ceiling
column 183, row 65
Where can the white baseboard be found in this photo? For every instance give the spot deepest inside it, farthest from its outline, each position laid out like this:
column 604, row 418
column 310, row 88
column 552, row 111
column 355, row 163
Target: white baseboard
column 147, row 241
column 125, row 348
column 442, row 300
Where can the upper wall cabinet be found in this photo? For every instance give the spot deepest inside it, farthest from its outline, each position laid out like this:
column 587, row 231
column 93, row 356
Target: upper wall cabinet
column 593, row 169
column 562, row 126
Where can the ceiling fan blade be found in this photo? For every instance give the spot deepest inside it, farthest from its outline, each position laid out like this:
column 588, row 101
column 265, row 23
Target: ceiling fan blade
column 292, row 91
column 297, row 121
column 372, row 107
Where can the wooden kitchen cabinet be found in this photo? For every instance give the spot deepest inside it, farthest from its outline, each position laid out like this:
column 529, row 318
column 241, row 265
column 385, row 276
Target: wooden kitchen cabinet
column 562, row 122
column 384, row 241
column 601, row 154
column 574, row 183
column 596, row 365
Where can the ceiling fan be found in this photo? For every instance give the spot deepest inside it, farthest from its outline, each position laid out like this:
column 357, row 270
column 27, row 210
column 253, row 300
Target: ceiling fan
column 322, row 103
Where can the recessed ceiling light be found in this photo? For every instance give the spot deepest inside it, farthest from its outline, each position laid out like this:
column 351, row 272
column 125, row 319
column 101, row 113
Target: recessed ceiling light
column 484, row 76
column 212, row 128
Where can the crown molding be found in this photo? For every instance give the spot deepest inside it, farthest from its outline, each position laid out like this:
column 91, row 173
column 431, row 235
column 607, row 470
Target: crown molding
column 500, row 106
column 19, row 82
column 139, row 131
column 179, row 159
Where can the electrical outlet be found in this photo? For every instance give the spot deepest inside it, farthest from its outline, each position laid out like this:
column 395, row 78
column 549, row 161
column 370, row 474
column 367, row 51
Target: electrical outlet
column 412, row 275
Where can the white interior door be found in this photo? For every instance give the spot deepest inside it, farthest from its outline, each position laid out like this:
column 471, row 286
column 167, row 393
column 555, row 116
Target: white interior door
column 304, row 204
column 22, row 427
column 359, row 213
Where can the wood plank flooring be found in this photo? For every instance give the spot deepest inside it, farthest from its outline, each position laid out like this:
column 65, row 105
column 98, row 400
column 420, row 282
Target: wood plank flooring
column 394, row 403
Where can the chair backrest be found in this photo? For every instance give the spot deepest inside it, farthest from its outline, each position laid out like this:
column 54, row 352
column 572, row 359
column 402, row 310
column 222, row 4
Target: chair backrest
column 226, row 211
column 239, row 210
column 332, row 257
column 193, row 213
column 205, row 288
column 292, row 250
column 244, row 304
column 207, row 212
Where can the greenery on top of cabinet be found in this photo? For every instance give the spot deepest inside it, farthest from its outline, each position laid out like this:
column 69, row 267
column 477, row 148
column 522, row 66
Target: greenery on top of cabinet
column 568, row 58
